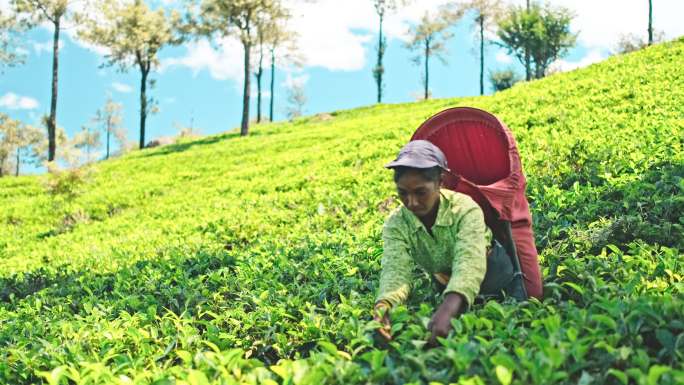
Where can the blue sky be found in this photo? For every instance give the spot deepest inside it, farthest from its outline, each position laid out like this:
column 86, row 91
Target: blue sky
column 202, row 85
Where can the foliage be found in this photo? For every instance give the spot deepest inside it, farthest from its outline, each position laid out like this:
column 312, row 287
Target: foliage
column 240, row 18
column 487, row 12
column 543, row 32
column 272, row 34
column 255, row 260
column 109, row 119
column 133, row 34
column 296, row 98
column 57, row 13
column 503, row 79
column 428, row 38
column 67, row 153
column 10, row 26
column 382, row 7
column 630, row 42
column 87, row 140
column 17, row 143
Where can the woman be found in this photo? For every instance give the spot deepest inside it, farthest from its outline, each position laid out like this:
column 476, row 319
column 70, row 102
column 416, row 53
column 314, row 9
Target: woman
column 440, row 230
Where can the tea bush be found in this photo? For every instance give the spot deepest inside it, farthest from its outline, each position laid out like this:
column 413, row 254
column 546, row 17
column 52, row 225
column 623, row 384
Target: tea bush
column 230, row 260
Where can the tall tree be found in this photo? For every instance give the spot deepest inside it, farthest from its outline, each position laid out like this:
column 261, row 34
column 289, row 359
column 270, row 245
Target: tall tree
column 382, row 7
column 528, row 66
column 134, row 34
column 428, row 39
column 16, row 142
column 282, row 45
column 259, row 72
column 543, row 32
column 486, row 14
column 55, row 12
column 650, row 22
column 109, row 118
column 271, row 33
column 238, row 17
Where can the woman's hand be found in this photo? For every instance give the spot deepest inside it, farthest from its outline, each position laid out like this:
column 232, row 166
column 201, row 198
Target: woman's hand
column 381, row 314
column 440, row 324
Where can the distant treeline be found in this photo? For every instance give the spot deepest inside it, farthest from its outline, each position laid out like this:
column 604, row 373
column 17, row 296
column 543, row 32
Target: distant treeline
column 132, row 33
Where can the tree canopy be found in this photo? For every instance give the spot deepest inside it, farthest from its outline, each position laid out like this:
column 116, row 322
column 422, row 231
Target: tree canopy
column 428, row 39
column 543, row 32
column 134, row 34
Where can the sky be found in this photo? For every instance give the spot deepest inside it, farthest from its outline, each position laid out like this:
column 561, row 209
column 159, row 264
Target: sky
column 199, row 84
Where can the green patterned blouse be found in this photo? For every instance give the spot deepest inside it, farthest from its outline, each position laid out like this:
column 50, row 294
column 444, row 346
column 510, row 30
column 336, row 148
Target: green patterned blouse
column 457, row 247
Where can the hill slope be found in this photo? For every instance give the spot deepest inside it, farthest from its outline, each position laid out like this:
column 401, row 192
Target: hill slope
column 253, row 260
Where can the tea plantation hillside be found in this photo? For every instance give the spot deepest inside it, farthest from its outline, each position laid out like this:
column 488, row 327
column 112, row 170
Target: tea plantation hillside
column 232, row 260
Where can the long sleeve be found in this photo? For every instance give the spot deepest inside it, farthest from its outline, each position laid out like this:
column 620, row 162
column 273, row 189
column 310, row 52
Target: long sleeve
column 397, row 265
column 470, row 261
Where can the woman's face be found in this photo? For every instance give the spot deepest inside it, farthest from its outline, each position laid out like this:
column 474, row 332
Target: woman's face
column 418, row 194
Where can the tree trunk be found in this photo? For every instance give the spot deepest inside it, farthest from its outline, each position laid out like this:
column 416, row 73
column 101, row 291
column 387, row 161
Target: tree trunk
column 379, row 68
column 109, row 132
column 260, row 71
column 427, row 73
column 144, row 70
column 18, row 163
column 270, row 112
column 539, row 71
column 528, row 70
column 650, row 22
column 481, row 54
column 88, row 148
column 244, row 127
column 52, row 120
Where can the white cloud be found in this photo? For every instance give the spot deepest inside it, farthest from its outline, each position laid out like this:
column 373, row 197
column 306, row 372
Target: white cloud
column 97, row 49
column 15, row 102
column 333, row 37
column 22, row 51
column 396, row 24
column 593, row 56
column 295, row 80
column 224, row 63
column 503, row 57
column 120, row 87
column 340, row 37
column 45, row 46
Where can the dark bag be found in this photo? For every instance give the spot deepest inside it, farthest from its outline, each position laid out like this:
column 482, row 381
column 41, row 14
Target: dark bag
column 503, row 277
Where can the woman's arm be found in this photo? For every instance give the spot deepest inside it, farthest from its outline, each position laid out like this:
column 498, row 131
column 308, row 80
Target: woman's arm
column 467, row 271
column 440, row 324
column 397, row 265
column 395, row 277
column 470, row 260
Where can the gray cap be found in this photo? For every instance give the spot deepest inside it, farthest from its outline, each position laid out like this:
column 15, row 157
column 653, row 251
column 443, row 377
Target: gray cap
column 419, row 154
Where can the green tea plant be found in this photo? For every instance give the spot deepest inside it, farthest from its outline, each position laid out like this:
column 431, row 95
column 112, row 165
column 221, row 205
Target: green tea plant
column 255, row 260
